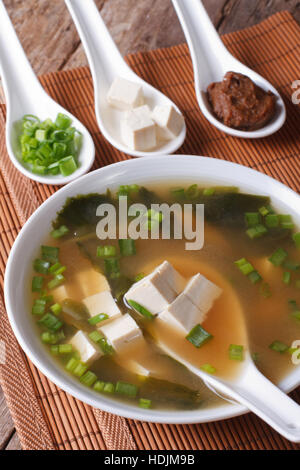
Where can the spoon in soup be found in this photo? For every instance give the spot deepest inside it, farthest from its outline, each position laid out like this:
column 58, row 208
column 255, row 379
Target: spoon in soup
column 106, row 64
column 211, row 60
column 25, row 95
column 253, row 390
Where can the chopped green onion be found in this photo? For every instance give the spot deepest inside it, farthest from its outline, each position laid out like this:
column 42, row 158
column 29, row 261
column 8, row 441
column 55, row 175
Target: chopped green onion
column 286, row 277
column 256, row 232
column 96, row 336
column 278, row 346
column 112, row 267
column 236, row 352
column 105, row 346
column 99, row 386
column 254, row 277
column 263, row 211
column 72, row 364
column 50, row 253
column 57, row 281
column 272, row 220
column 145, row 403
column 252, row 219
column 278, row 257
column 192, row 191
column 59, row 232
column 296, row 238
column 178, row 193
column 127, row 247
column 80, row 369
column 286, row 221
column 124, row 388
column 140, row 309
column 106, row 251
column 39, row 307
column 51, row 322
column 98, row 318
column 62, row 121
column 241, row 262
column 37, row 283
column 109, row 387
column 60, row 270
column 293, row 266
column 88, row 379
column 62, row 349
column 208, row 368
column 41, row 266
column 52, row 338
column 67, row 166
column 198, row 336
column 56, row 309
column 246, row 268
column 208, row 191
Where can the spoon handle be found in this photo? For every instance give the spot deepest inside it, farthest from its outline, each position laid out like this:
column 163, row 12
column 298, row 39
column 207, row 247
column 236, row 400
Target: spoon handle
column 103, row 55
column 209, row 55
column 19, row 80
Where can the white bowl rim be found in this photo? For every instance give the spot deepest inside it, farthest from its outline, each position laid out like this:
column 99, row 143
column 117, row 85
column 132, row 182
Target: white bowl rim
column 62, row 380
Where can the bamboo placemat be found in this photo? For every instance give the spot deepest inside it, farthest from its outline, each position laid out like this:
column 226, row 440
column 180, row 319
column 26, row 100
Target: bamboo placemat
column 48, row 418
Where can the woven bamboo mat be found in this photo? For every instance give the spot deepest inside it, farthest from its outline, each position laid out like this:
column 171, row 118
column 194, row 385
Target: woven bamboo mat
column 48, row 418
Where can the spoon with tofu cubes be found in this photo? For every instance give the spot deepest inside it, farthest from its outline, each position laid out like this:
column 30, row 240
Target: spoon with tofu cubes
column 132, row 115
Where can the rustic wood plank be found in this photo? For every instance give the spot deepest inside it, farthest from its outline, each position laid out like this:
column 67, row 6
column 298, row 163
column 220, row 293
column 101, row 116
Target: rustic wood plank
column 14, row 443
column 244, row 13
column 6, row 423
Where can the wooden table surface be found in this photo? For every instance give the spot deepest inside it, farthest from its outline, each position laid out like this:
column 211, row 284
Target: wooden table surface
column 52, row 43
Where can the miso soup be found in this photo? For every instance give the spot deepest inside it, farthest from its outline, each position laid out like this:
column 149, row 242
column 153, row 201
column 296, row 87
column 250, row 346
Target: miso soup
column 249, row 265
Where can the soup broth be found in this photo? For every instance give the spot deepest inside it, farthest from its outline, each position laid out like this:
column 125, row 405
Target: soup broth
column 259, row 316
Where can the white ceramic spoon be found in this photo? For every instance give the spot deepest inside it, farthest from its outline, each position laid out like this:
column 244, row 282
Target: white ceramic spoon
column 25, row 95
column 255, row 391
column 106, row 63
column 211, row 60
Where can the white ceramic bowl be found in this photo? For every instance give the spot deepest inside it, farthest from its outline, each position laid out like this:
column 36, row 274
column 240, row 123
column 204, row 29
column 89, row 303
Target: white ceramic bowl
column 204, row 170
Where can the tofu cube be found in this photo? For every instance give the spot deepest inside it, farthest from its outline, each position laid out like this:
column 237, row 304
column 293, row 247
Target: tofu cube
column 88, row 351
column 169, row 122
column 103, row 302
column 202, row 292
column 152, row 292
column 182, row 313
column 90, row 282
column 124, row 94
column 138, row 130
column 122, row 333
column 172, row 277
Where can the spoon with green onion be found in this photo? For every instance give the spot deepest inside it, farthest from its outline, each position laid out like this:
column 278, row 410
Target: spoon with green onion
column 44, row 141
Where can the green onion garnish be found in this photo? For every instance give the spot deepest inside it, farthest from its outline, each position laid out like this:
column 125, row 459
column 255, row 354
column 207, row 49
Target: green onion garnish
column 208, row 368
column 145, row 403
column 106, row 251
column 50, row 322
column 88, row 379
column 109, row 387
column 272, row 220
column 112, row 267
column 48, row 147
column 178, row 194
column 198, row 336
column 52, row 338
column 252, row 219
column 127, row 389
column 278, row 346
column 236, row 352
column 292, row 265
column 263, row 211
column 140, row 309
column 98, row 318
column 39, row 307
column 257, row 231
column 192, row 191
column 37, row 283
column 50, row 253
column 72, row 364
column 127, row 247
column 62, row 349
column 296, row 238
column 286, row 221
column 56, row 309
column 278, row 257
column 254, row 277
column 41, row 266
column 80, row 369
column 57, row 281
column 99, row 386
column 59, row 232
column 96, row 336
column 105, row 346
column 286, row 277
column 208, row 191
